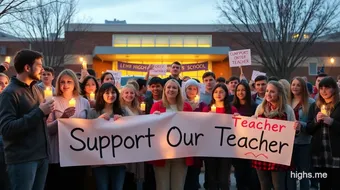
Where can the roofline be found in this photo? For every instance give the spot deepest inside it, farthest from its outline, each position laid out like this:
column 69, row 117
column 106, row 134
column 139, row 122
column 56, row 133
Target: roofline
column 166, row 28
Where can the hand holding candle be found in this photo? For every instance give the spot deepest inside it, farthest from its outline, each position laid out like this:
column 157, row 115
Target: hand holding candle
column 8, row 59
column 48, row 94
column 92, row 96
column 142, row 106
column 197, row 99
column 84, row 64
column 72, row 103
column 213, row 108
column 324, row 110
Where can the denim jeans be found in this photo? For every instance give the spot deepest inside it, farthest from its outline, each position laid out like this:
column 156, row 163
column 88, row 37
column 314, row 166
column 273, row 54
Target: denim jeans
column 109, row 177
column 28, row 175
column 269, row 179
column 301, row 160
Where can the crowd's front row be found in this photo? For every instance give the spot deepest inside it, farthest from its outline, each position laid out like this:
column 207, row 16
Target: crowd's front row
column 25, row 132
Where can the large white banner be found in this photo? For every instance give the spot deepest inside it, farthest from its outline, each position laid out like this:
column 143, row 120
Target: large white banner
column 173, row 135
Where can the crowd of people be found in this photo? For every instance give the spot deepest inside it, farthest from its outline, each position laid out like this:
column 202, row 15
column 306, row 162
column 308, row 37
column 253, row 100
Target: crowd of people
column 29, row 127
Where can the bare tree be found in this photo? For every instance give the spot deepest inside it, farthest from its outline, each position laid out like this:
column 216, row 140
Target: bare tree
column 8, row 7
column 287, row 28
column 44, row 29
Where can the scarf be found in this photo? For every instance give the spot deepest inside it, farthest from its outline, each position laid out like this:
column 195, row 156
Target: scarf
column 270, row 112
column 193, row 104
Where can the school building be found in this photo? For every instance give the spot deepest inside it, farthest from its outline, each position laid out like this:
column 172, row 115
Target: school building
column 129, row 48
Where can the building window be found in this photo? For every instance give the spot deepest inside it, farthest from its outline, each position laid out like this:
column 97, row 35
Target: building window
column 313, row 69
column 161, row 40
column 134, row 41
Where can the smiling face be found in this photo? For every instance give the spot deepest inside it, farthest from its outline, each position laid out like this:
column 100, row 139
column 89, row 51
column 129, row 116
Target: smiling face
column 326, row 92
column 90, row 86
column 272, row 94
column 156, row 89
column 241, row 92
column 66, row 84
column 128, row 95
column 295, row 87
column 219, row 94
column 109, row 96
column 3, row 83
column 171, row 90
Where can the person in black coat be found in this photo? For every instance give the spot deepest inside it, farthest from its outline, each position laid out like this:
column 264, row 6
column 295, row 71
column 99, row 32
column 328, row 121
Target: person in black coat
column 324, row 125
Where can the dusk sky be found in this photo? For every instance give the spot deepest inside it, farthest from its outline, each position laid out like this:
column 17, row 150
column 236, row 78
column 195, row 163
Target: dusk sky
column 150, row 11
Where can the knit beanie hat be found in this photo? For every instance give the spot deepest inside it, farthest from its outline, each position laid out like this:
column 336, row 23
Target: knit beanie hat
column 190, row 82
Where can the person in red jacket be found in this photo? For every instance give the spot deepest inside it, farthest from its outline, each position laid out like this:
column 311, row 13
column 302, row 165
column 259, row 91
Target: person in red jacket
column 171, row 173
column 218, row 169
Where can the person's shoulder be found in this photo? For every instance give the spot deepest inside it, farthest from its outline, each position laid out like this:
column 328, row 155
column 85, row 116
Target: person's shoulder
column 311, row 100
column 233, row 109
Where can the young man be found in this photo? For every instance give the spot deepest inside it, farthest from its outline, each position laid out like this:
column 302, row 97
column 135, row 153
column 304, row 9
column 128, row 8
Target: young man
column 142, row 89
column 209, row 79
column 319, row 78
column 156, row 88
column 175, row 71
column 47, row 78
column 221, row 80
column 23, row 115
column 260, row 87
column 233, row 82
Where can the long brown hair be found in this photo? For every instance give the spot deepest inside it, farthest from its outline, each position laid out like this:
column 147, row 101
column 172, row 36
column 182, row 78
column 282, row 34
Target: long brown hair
column 282, row 101
column 304, row 95
column 330, row 83
column 179, row 98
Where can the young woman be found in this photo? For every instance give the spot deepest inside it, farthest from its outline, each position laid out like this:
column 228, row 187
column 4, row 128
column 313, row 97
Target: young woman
column 324, row 125
column 171, row 173
column 107, row 77
column 218, row 169
column 274, row 106
column 130, row 106
column 89, row 85
column 300, row 102
column 246, row 177
column 4, row 80
column 286, row 85
column 108, row 106
column 67, row 88
column 190, row 94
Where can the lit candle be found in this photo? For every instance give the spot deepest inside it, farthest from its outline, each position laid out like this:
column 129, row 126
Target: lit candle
column 81, row 59
column 197, row 99
column 213, row 108
column 8, row 59
column 72, row 103
column 92, row 96
column 323, row 110
column 142, row 106
column 84, row 65
column 48, row 94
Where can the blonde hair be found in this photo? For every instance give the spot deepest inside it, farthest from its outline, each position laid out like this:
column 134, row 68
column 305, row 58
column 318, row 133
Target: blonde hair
column 286, row 87
column 133, row 83
column 135, row 103
column 70, row 73
column 4, row 75
column 304, row 95
column 282, row 102
column 179, row 97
